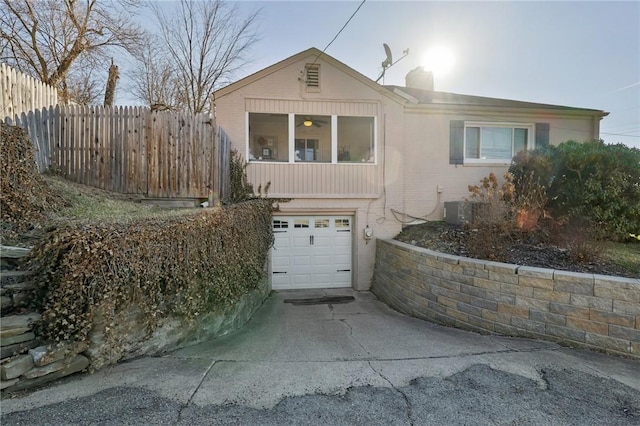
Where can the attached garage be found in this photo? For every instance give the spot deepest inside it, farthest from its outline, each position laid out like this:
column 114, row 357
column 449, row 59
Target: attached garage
column 311, row 252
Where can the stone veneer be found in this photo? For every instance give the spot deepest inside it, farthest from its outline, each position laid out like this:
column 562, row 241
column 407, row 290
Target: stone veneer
column 593, row 311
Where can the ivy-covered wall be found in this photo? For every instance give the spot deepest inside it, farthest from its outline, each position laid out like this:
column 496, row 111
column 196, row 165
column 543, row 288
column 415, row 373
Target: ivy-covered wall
column 116, row 286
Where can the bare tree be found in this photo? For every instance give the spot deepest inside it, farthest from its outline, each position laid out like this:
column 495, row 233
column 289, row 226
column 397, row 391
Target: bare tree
column 205, row 44
column 154, row 81
column 81, row 86
column 46, row 38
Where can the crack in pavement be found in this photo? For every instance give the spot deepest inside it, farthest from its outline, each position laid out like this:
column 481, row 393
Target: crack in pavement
column 344, row 321
column 404, row 395
column 417, row 358
column 186, row 404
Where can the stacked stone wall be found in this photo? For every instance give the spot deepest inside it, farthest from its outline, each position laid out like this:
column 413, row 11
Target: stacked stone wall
column 27, row 361
column 585, row 310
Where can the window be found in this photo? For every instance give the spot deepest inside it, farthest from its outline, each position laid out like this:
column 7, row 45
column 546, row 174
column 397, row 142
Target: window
column 343, row 225
column 268, row 137
column 301, row 223
column 307, row 150
column 312, row 138
column 322, row 223
column 355, row 139
column 280, row 224
column 309, row 138
column 466, row 144
column 491, row 142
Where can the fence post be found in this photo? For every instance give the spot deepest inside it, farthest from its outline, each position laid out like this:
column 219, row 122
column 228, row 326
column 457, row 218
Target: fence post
column 214, row 188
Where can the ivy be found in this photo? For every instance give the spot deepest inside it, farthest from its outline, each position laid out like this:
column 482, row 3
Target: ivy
column 180, row 267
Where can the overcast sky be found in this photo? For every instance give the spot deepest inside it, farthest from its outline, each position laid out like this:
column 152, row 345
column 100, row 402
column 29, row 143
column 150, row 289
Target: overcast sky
column 576, row 53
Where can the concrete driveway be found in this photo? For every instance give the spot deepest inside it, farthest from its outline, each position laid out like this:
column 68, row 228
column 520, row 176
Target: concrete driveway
column 346, row 363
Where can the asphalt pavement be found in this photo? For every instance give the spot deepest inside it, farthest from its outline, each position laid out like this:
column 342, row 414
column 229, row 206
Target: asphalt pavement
column 343, row 362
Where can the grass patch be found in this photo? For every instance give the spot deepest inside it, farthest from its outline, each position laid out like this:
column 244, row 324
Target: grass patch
column 86, row 203
column 626, row 255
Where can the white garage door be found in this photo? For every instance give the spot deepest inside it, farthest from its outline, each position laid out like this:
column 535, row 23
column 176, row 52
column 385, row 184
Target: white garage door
column 311, row 252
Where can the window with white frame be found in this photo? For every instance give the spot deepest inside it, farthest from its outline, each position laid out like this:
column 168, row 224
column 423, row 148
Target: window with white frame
column 309, row 138
column 356, row 139
column 491, row 142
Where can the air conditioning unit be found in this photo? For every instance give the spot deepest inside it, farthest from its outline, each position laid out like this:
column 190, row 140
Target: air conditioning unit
column 460, row 212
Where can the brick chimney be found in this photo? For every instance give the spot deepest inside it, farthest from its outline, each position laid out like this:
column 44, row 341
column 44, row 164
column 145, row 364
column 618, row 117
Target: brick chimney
column 419, row 78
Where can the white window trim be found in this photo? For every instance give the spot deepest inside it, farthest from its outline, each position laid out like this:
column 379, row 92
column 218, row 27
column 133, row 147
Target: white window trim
column 531, row 140
column 334, row 141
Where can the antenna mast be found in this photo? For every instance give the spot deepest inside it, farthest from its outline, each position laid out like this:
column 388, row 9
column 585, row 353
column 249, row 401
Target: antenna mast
column 388, row 62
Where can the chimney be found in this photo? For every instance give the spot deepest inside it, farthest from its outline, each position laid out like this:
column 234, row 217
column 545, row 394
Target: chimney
column 419, row 78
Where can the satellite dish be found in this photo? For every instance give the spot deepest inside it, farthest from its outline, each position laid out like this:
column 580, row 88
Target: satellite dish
column 387, row 62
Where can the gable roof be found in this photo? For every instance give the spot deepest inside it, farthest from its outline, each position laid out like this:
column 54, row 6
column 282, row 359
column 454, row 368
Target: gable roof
column 401, row 94
column 432, row 97
column 300, row 56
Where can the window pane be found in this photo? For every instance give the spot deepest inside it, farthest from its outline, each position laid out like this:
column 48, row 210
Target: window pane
column 313, row 138
column 472, row 142
column 520, row 140
column 268, row 137
column 321, row 223
column 356, row 139
column 496, row 143
column 301, row 223
column 306, row 149
column 343, row 225
column 280, row 224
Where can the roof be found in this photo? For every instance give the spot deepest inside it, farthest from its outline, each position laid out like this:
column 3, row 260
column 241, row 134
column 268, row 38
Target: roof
column 300, row 56
column 432, row 97
column 399, row 93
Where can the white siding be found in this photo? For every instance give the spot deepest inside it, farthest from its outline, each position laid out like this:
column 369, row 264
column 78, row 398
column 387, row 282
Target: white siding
column 316, row 180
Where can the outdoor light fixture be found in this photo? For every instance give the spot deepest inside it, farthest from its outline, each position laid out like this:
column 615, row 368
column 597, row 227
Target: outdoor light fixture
column 308, row 123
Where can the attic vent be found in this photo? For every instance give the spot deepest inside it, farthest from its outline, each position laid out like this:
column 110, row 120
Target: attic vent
column 312, row 80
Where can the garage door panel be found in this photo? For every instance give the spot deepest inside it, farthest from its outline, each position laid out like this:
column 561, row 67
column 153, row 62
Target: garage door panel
column 279, row 262
column 279, row 281
column 311, row 252
column 301, row 279
column 301, row 260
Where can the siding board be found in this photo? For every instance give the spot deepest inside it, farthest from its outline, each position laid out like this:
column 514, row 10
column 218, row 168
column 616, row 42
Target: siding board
column 316, row 180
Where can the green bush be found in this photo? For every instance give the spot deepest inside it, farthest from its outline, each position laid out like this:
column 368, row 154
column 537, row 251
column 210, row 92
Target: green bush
column 588, row 181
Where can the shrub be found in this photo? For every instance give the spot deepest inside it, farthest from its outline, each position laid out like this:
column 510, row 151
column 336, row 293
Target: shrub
column 492, row 231
column 241, row 189
column 491, row 199
column 25, row 197
column 592, row 181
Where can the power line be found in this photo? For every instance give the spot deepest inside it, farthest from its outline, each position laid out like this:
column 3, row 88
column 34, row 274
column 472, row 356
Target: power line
column 341, row 29
column 620, row 134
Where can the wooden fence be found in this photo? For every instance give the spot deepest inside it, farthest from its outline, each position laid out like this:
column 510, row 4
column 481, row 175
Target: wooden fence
column 20, row 93
column 132, row 150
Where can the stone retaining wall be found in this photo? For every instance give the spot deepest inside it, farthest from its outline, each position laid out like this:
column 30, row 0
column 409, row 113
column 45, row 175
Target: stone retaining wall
column 594, row 311
column 27, row 362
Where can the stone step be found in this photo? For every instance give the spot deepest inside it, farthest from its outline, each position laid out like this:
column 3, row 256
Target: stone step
column 13, row 277
column 19, row 321
column 18, row 348
column 19, row 287
column 14, row 340
column 14, row 252
column 78, row 363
